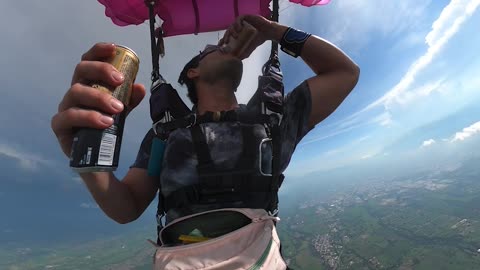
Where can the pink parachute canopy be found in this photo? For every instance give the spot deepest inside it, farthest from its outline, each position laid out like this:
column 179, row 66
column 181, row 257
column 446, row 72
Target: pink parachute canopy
column 190, row 16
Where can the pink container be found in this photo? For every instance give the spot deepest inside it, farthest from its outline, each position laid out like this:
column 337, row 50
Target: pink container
column 182, row 17
column 190, row 16
column 309, row 3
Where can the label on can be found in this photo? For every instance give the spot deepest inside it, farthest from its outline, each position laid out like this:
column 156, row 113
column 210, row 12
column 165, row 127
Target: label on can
column 98, row 149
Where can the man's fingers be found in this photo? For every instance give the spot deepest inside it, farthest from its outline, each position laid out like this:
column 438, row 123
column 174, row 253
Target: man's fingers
column 99, row 51
column 64, row 122
column 234, row 31
column 138, row 93
column 226, row 38
column 237, row 25
column 81, row 95
column 96, row 71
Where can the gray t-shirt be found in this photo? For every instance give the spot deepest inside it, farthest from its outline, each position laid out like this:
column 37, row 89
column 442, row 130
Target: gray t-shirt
column 225, row 141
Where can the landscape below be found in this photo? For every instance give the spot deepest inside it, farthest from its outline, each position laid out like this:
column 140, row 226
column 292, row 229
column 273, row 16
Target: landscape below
column 422, row 220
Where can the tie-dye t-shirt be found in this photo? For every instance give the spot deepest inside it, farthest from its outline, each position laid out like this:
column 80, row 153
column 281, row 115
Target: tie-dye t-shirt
column 224, row 140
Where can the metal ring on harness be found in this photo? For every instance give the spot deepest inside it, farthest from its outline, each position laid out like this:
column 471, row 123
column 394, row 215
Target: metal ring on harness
column 194, row 121
column 155, row 127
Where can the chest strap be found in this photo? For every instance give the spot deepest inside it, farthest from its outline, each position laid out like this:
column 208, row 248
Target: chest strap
column 246, row 117
column 240, row 186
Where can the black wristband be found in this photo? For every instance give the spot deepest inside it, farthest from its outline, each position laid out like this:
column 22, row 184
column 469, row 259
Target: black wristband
column 293, row 40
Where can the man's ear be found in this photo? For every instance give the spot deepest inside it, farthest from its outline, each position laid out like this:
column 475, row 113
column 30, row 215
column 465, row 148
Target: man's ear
column 192, row 73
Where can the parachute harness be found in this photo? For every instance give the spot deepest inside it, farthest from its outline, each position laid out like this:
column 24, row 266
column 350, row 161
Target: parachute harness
column 157, row 45
column 169, row 112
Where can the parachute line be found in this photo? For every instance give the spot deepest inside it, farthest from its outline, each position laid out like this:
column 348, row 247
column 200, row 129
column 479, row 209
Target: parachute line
column 153, row 41
column 197, row 16
column 235, row 6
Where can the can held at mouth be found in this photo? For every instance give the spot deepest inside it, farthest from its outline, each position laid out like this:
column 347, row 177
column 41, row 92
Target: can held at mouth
column 237, row 46
column 96, row 150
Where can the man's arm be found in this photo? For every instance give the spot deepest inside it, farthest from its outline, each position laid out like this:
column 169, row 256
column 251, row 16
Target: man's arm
column 336, row 77
column 123, row 201
column 336, row 73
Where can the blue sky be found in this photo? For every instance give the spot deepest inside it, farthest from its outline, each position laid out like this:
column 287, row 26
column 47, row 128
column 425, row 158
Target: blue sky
column 418, row 66
column 416, row 96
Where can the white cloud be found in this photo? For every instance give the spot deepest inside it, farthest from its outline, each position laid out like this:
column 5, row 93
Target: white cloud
column 354, row 23
column 26, row 160
column 428, row 142
column 443, row 29
column 367, row 156
column 383, row 119
column 89, row 205
column 420, row 92
column 467, row 132
column 348, row 147
column 453, row 16
column 456, row 10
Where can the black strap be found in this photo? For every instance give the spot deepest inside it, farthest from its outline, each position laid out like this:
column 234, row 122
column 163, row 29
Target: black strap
column 235, row 8
column 274, row 62
column 163, row 129
column 275, row 17
column 247, row 158
column 205, row 162
column 160, row 214
column 217, row 191
column 153, row 42
column 277, row 176
column 197, row 16
column 240, row 186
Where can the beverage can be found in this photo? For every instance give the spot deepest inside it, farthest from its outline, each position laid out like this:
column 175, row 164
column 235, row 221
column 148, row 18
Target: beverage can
column 95, row 150
column 237, row 46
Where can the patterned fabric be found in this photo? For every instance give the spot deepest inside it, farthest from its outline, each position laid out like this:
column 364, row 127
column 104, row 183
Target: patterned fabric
column 224, row 140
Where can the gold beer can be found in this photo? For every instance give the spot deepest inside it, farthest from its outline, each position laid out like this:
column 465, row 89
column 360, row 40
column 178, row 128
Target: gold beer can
column 95, row 150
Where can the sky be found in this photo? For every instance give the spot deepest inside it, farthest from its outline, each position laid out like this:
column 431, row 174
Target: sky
column 416, row 98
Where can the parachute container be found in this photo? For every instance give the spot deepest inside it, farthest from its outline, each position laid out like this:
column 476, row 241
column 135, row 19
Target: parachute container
column 190, row 16
column 309, row 3
column 206, row 15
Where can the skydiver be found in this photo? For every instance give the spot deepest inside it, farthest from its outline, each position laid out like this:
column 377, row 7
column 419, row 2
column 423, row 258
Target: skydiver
column 212, row 77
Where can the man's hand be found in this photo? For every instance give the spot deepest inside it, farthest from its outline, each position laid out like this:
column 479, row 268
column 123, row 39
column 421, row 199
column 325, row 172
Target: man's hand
column 72, row 112
column 267, row 30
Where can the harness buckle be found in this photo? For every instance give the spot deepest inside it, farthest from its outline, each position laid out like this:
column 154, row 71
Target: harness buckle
column 216, row 116
column 266, row 140
column 154, row 127
column 194, row 122
column 273, row 213
column 159, row 219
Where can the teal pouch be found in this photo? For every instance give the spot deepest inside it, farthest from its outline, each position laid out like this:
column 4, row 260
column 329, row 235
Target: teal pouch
column 156, row 157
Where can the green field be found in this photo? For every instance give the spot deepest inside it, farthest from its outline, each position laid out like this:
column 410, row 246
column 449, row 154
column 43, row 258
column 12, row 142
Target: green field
column 425, row 223
column 421, row 222
column 130, row 251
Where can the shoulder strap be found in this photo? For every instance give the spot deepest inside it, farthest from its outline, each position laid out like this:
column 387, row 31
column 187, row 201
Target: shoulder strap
column 246, row 117
column 205, row 162
column 157, row 45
